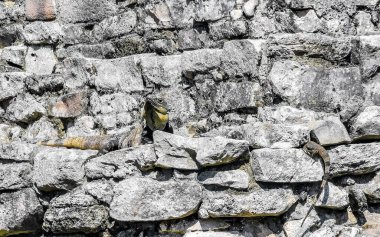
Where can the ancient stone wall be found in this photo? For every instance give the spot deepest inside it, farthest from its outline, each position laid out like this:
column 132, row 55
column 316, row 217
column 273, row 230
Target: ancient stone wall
column 248, row 83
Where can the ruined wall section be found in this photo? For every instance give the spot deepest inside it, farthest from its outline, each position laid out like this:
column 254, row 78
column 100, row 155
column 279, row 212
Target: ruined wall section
column 248, row 83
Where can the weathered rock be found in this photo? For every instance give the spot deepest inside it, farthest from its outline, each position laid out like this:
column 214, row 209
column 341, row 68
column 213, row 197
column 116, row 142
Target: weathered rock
column 200, row 61
column 84, row 11
column 330, row 131
column 161, row 70
column 285, row 166
column 100, row 51
column 121, row 74
column 114, row 110
column 179, row 152
column 24, row 108
column 232, row 96
column 354, row 159
column 102, row 190
column 17, row 151
column 40, row 10
column 372, row 90
column 268, row 135
column 174, row 151
column 333, row 197
column 240, row 59
column 372, row 189
column 328, row 47
column 227, row 29
column 15, row 176
column 69, row 106
column 249, row 7
column 192, row 38
column 288, row 115
column 213, row 234
column 75, row 212
column 307, row 21
column 212, row 10
column 273, row 202
column 121, row 163
column 367, row 125
column 369, row 54
column 39, row 84
column 20, row 212
column 14, row 55
column 236, row 179
column 364, row 23
column 5, row 130
column 40, row 60
column 42, row 33
column 142, row 199
column 184, row 226
column 11, row 84
column 116, row 26
column 83, row 126
column 60, row 168
column 325, row 89
column 44, row 129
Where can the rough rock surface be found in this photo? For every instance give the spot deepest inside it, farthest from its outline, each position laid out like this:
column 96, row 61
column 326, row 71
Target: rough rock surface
column 142, row 199
column 247, row 83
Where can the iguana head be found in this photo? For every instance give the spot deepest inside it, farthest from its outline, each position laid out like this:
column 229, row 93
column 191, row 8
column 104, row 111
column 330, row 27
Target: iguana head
column 158, row 104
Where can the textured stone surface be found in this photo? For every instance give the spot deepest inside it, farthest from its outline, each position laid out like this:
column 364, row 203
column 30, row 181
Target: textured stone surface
column 11, row 84
column 75, row 212
column 367, row 125
column 17, row 151
column 253, row 204
column 142, row 199
column 15, row 176
column 302, row 85
column 285, row 166
column 60, row 168
column 42, row 33
column 24, row 108
column 330, row 131
column 354, row 159
column 28, row 215
column 40, row 60
column 333, row 197
column 121, row 163
column 236, row 179
column 179, row 152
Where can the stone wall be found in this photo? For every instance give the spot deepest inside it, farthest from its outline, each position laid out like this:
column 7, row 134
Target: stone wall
column 248, row 83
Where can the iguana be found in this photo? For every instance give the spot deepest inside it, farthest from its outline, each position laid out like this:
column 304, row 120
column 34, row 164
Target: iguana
column 156, row 117
column 312, row 148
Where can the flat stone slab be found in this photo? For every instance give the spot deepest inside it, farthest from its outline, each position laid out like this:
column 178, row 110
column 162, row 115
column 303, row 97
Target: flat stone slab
column 271, row 202
column 237, row 179
column 330, row 131
column 122, row 163
column 20, row 212
column 354, row 159
column 60, row 168
column 285, row 166
column 174, row 151
column 17, row 151
column 144, row 199
column 333, row 197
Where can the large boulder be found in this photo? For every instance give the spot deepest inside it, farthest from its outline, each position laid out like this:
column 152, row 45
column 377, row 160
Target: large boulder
column 144, row 199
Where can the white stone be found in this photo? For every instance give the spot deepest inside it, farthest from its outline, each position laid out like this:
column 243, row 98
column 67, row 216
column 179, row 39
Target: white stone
column 40, row 60
column 250, row 7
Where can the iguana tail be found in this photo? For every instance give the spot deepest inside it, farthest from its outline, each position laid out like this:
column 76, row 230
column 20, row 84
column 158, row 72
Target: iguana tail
column 85, row 143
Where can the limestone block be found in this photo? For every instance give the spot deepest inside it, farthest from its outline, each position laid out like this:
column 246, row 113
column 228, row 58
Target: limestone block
column 11, row 84
column 15, row 176
column 212, row 10
column 333, row 197
column 60, row 168
column 14, row 54
column 271, row 202
column 200, row 61
column 143, row 199
column 320, row 89
column 116, row 26
column 28, row 215
column 367, row 125
column 17, row 151
column 285, row 166
column 330, row 131
column 75, row 212
column 42, row 32
column 25, row 108
column 249, row 7
column 40, row 60
column 44, row 129
column 354, row 159
column 236, row 179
